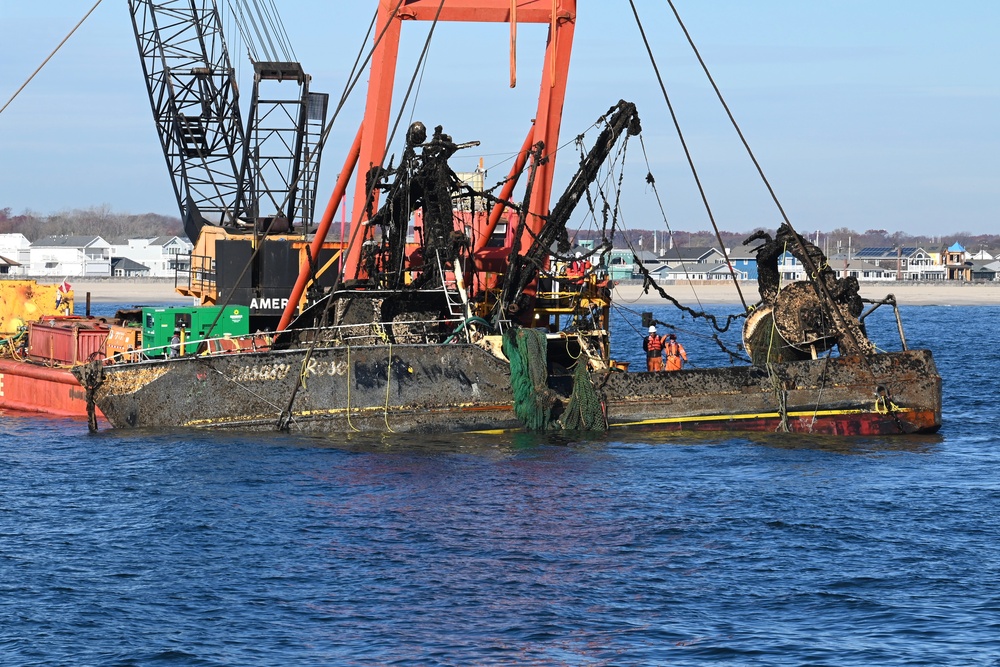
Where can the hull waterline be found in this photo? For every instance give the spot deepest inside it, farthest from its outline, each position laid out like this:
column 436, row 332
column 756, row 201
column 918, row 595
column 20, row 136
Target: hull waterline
column 464, row 388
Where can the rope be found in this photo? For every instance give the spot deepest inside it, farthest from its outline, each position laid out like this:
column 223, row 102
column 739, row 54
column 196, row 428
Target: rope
column 570, row 353
column 822, row 387
column 348, row 374
column 304, row 372
column 780, row 395
column 464, row 324
column 93, row 378
column 388, row 381
column 248, row 390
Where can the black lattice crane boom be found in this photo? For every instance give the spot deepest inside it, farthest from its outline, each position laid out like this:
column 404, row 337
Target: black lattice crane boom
column 195, row 102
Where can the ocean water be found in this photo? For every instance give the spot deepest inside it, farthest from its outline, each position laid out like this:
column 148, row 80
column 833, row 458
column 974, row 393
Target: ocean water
column 191, row 548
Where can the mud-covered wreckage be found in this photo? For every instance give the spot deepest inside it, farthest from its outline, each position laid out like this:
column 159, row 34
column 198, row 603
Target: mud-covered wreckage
column 436, row 338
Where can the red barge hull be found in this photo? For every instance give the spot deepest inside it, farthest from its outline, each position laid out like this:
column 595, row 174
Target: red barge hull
column 29, row 387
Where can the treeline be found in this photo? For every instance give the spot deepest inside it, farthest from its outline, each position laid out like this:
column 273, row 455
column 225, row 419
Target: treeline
column 119, row 227
column 99, row 221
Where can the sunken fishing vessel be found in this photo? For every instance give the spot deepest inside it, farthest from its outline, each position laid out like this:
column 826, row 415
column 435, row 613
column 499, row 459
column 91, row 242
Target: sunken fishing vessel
column 451, row 306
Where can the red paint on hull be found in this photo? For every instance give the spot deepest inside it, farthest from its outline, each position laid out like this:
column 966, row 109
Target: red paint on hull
column 34, row 388
column 856, row 424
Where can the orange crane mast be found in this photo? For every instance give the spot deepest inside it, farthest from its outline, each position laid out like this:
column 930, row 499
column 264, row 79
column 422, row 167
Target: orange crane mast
column 560, row 15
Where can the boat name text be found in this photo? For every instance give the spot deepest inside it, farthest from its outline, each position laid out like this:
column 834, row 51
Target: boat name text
column 331, row 367
column 272, row 372
column 266, row 372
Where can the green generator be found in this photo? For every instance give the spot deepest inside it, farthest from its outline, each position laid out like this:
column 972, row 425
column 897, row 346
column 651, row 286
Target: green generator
column 192, row 325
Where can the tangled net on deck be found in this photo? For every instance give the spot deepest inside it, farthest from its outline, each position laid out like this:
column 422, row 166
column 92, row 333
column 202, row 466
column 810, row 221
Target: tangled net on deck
column 584, row 411
column 534, row 401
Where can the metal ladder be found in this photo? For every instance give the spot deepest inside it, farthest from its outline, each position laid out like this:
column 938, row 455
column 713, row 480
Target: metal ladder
column 457, row 305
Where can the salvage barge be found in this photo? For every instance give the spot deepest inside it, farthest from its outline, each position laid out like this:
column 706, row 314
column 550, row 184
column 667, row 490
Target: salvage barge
column 449, row 311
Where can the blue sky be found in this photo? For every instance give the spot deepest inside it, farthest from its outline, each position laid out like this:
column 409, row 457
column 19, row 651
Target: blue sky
column 867, row 115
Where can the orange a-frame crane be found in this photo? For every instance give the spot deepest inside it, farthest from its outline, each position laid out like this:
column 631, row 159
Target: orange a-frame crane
column 370, row 145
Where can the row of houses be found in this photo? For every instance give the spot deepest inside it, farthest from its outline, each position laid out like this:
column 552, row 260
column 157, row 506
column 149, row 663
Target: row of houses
column 867, row 264
column 93, row 257
column 163, row 256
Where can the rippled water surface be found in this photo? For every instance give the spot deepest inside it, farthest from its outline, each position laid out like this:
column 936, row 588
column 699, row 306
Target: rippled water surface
column 190, row 548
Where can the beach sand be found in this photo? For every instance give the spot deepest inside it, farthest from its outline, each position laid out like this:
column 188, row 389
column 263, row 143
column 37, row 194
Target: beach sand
column 125, row 291
column 907, row 294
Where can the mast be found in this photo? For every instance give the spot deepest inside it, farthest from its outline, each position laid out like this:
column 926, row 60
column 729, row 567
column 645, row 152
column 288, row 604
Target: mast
column 560, row 15
column 370, row 145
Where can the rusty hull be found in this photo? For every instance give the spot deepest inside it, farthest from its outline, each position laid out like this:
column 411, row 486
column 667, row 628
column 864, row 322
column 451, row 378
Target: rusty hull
column 881, row 395
column 389, row 388
column 462, row 388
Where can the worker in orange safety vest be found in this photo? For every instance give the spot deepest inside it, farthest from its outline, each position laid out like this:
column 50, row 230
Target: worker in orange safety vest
column 674, row 351
column 653, row 345
column 578, row 268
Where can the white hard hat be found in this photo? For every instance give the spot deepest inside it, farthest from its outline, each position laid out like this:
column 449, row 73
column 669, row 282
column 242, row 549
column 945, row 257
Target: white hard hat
column 652, row 329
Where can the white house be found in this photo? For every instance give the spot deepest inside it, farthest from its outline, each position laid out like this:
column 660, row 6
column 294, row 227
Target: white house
column 910, row 263
column 14, row 253
column 81, row 256
column 163, row 255
column 706, row 255
column 790, row 267
column 696, row 271
column 862, row 270
column 123, row 267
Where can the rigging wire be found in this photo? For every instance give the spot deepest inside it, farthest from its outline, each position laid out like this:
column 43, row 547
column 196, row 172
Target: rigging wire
column 283, row 32
column 262, row 30
column 649, row 282
column 46, row 61
column 687, row 151
column 656, row 192
column 273, row 53
column 729, row 113
column 356, row 224
column 822, row 290
column 248, row 16
column 416, row 73
column 353, row 79
column 236, row 16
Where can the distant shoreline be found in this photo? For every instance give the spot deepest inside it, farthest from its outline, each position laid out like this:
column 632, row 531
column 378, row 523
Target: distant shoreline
column 138, row 291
